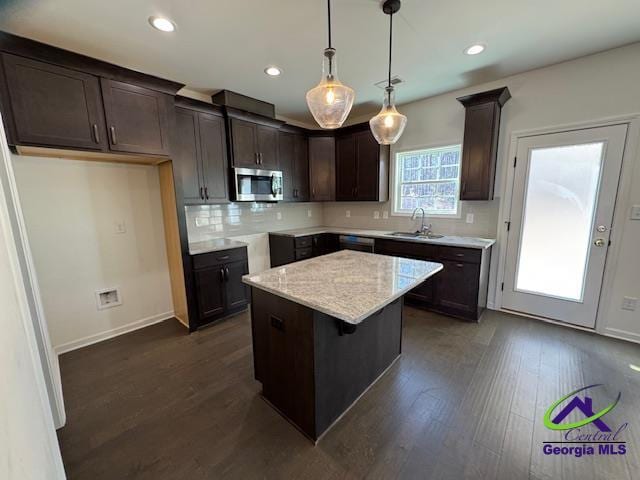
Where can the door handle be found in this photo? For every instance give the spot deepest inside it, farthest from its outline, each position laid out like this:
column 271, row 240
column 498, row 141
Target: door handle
column 96, row 134
column 201, row 193
column 206, row 193
column 114, row 140
column 599, row 242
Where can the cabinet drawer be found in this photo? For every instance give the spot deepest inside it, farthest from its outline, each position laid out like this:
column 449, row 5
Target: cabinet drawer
column 396, row 248
column 302, row 253
column 215, row 258
column 303, row 242
column 471, row 255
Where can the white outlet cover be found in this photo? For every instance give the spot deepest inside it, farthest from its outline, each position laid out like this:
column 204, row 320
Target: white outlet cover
column 279, row 215
column 385, row 214
column 635, row 212
column 629, row 303
column 309, row 213
column 376, row 214
column 108, row 297
column 470, row 217
column 347, row 214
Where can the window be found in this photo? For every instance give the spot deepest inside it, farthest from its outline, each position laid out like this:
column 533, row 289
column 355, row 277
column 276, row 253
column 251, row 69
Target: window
column 428, row 178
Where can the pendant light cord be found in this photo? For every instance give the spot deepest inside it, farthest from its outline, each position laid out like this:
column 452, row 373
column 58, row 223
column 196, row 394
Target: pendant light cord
column 390, row 45
column 329, row 18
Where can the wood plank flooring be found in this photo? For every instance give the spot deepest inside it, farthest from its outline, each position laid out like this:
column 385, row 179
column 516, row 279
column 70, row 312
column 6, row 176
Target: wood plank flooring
column 463, row 401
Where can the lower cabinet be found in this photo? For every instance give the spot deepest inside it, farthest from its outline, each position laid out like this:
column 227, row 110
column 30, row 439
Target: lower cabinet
column 218, row 284
column 287, row 249
column 459, row 290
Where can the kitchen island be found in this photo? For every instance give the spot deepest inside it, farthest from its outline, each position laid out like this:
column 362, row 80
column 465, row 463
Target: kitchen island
column 325, row 329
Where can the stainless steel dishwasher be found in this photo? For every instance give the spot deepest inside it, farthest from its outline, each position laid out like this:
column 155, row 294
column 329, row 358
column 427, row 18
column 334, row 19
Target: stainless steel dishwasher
column 352, row 242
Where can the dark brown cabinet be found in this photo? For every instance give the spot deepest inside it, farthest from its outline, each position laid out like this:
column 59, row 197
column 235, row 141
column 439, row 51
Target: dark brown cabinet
column 459, row 290
column 254, row 140
column 286, row 249
column 137, row 118
column 294, row 163
column 54, row 106
column 200, row 154
column 322, row 173
column 218, row 283
column 362, row 166
column 480, row 146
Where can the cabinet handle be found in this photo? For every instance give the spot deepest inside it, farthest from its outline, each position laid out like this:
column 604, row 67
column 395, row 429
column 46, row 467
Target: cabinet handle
column 114, row 140
column 222, row 274
column 459, row 254
column 257, row 158
column 206, row 193
column 313, row 192
column 96, row 133
column 464, row 187
column 201, row 193
column 260, row 156
column 460, row 265
column 226, row 273
column 226, row 257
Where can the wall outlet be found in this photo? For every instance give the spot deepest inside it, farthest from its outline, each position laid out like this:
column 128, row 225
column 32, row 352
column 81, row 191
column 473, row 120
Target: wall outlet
column 347, row 214
column 385, row 215
column 635, row 212
column 107, row 298
column 376, row 214
column 278, row 215
column 629, row 303
column 309, row 213
column 469, row 217
column 120, row 227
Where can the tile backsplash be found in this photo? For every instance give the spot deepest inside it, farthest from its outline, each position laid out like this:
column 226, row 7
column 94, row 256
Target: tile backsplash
column 205, row 222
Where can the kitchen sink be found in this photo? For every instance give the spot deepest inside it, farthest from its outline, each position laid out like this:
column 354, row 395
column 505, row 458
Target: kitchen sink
column 415, row 235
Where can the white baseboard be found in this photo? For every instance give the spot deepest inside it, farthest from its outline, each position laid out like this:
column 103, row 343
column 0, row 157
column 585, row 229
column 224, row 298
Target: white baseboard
column 99, row 337
column 621, row 334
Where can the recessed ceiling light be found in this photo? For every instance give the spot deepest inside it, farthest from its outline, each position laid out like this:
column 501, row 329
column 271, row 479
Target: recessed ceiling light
column 272, row 71
column 474, row 49
column 162, row 24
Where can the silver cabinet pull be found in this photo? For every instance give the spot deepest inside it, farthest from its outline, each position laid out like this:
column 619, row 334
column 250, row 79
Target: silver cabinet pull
column 201, row 193
column 114, row 140
column 96, row 133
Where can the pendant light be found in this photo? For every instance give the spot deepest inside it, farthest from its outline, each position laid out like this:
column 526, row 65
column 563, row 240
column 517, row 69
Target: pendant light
column 388, row 125
column 330, row 101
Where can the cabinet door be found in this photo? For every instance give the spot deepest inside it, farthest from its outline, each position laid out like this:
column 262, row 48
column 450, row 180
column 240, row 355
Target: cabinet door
column 186, row 155
column 457, row 287
column 301, row 168
column 210, row 286
column 236, row 292
column 480, row 134
column 322, row 176
column 267, row 140
column 214, row 157
column 136, row 118
column 423, row 292
column 286, row 147
column 346, row 168
column 243, row 140
column 53, row 106
column 368, row 167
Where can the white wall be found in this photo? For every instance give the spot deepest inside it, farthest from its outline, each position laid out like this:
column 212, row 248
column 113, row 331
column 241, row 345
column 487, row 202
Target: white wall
column 71, row 209
column 583, row 90
column 28, row 444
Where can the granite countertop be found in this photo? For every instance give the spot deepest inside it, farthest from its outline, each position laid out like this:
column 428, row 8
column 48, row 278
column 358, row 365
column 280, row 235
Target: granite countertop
column 447, row 240
column 214, row 245
column 348, row 285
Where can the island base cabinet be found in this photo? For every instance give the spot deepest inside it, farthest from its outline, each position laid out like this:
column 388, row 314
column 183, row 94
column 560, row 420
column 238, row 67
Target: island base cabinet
column 310, row 368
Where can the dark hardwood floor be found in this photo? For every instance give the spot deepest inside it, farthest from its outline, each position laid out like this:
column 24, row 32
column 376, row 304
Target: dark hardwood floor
column 464, row 401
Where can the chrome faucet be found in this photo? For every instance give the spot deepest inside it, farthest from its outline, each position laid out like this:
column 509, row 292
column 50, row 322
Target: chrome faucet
column 424, row 229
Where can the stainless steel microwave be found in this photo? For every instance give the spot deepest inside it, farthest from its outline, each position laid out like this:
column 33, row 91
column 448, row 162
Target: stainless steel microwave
column 257, row 185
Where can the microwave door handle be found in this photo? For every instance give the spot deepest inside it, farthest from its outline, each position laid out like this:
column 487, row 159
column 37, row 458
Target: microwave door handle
column 273, row 185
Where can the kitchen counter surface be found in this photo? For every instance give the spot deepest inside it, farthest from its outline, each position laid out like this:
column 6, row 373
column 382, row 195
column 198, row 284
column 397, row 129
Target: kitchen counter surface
column 348, row 285
column 214, row 245
column 447, row 240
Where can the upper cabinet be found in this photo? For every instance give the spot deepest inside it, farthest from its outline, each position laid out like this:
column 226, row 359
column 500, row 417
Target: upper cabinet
column 294, row 163
column 322, row 172
column 480, row 146
column 253, row 139
column 362, row 166
column 200, row 153
column 54, row 106
column 136, row 118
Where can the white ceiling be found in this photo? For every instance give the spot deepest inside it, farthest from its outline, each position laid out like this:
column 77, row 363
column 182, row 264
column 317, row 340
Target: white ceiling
column 226, row 44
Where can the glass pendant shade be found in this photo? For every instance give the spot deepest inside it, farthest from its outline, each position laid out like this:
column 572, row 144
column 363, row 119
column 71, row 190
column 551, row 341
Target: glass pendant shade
column 330, row 101
column 388, row 125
